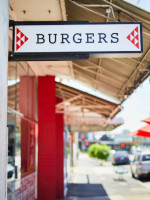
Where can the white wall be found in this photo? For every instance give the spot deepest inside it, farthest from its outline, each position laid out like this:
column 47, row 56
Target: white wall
column 4, row 20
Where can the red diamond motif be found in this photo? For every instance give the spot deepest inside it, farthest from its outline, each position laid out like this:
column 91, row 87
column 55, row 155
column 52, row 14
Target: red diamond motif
column 17, row 46
column 128, row 37
column 25, row 39
column 22, row 43
column 134, row 37
column 132, row 33
column 132, row 41
column 21, row 38
column 21, row 34
column 17, row 39
column 137, row 37
column 137, row 45
column 18, row 31
column 136, row 29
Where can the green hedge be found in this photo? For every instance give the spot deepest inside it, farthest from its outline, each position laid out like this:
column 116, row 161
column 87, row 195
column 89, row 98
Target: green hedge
column 100, row 151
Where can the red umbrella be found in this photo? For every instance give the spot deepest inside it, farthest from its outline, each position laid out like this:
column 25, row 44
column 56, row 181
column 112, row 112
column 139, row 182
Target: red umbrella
column 143, row 132
column 133, row 133
column 147, row 120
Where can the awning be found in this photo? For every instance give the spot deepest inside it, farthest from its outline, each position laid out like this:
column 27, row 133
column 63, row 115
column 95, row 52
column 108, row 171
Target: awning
column 78, row 101
column 82, row 111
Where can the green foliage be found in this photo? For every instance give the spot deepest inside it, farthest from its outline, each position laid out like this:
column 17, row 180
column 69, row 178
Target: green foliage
column 100, row 151
column 92, row 149
column 67, row 151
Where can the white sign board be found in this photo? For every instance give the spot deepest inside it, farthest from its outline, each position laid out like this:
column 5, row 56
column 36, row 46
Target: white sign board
column 77, row 38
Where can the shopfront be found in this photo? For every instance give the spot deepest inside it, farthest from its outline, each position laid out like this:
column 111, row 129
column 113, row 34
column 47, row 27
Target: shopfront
column 22, row 133
column 35, row 143
column 38, row 145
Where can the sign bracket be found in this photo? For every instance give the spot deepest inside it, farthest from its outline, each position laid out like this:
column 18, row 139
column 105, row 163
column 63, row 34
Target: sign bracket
column 46, row 57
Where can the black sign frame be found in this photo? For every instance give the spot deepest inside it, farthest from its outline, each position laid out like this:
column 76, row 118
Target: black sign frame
column 44, row 56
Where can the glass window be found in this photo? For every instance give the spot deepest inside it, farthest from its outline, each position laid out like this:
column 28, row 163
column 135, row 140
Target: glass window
column 21, row 131
column 146, row 157
column 21, row 155
column 16, row 71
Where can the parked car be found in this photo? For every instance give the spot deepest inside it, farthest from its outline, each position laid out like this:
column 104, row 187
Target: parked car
column 120, row 157
column 140, row 166
column 10, row 171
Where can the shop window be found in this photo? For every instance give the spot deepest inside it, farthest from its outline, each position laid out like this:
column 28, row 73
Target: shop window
column 15, row 72
column 21, row 133
column 21, row 156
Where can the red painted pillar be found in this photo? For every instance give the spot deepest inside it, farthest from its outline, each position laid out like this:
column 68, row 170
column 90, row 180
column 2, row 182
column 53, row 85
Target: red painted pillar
column 46, row 138
column 59, row 154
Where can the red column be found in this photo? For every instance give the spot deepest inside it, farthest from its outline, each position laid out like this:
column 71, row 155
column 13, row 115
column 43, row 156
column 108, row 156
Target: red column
column 46, row 138
column 59, row 154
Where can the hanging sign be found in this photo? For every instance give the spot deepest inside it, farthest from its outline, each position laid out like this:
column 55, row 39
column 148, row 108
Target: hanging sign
column 77, row 38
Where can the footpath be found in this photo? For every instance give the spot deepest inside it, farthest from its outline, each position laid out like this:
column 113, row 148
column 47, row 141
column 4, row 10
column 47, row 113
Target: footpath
column 93, row 181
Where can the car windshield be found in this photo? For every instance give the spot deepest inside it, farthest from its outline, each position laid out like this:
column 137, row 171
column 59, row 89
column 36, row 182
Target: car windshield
column 124, row 153
column 146, row 157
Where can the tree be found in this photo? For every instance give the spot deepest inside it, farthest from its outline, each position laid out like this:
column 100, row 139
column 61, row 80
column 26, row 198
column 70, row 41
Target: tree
column 92, row 150
column 100, row 151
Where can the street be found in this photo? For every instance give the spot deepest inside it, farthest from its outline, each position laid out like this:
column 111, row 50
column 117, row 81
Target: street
column 124, row 187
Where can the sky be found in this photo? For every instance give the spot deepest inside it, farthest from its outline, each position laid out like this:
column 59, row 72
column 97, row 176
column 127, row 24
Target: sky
column 136, row 108
column 144, row 4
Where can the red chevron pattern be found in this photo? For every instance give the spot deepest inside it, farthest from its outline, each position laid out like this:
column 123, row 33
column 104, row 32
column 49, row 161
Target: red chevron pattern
column 134, row 37
column 20, row 39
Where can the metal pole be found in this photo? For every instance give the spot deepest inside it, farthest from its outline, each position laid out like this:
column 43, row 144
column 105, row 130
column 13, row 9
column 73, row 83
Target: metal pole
column 4, row 24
